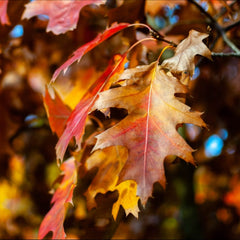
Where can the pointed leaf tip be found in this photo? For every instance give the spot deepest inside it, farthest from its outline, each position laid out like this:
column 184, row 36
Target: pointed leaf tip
column 183, row 60
column 77, row 55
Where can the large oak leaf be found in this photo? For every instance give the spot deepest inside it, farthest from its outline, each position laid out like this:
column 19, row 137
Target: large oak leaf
column 149, row 131
column 183, row 60
column 63, row 14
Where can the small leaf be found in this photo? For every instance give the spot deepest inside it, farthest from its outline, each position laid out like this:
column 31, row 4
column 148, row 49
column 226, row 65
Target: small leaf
column 183, row 60
column 63, row 14
column 54, row 219
column 127, row 198
column 110, row 162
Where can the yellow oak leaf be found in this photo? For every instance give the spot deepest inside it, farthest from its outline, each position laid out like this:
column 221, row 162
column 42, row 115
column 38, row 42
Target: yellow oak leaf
column 110, row 162
column 127, row 198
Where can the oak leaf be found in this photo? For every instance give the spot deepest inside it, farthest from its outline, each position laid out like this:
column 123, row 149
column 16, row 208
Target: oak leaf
column 128, row 198
column 149, row 131
column 53, row 221
column 3, row 13
column 110, row 162
column 63, row 14
column 183, row 60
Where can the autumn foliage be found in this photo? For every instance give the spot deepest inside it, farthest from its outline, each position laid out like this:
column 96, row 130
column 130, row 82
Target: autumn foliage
column 121, row 122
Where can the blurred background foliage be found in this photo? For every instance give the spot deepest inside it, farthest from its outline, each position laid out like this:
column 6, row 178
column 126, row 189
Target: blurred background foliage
column 198, row 203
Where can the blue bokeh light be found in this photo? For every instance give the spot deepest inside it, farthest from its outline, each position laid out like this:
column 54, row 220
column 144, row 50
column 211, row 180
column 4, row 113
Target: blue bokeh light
column 173, row 19
column 213, row 146
column 169, row 11
column 204, row 5
column 43, row 17
column 126, row 65
column 196, row 73
column 17, row 31
column 30, row 117
column 160, row 22
column 223, row 133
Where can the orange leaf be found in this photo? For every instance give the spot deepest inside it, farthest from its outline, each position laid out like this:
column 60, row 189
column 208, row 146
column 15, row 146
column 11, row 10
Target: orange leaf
column 110, row 162
column 149, row 131
column 77, row 55
column 54, row 219
column 76, row 122
column 57, row 112
column 63, row 14
column 3, row 12
column 73, row 91
column 127, row 198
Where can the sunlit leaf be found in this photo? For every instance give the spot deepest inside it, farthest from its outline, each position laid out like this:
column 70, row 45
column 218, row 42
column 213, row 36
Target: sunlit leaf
column 183, row 60
column 149, row 131
column 76, row 122
column 128, row 198
column 110, row 162
column 63, row 14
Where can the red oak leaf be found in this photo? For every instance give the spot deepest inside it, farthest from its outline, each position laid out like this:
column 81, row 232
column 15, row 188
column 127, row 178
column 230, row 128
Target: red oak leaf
column 77, row 55
column 149, row 131
column 54, row 219
column 3, row 12
column 57, row 112
column 63, row 14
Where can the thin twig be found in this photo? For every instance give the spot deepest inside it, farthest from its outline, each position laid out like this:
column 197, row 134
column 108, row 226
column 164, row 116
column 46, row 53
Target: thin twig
column 230, row 43
column 203, row 11
column 231, row 26
column 224, row 10
column 154, row 33
column 219, row 29
column 221, row 54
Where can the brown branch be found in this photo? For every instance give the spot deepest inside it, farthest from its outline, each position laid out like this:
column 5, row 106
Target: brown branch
column 202, row 10
column 231, row 26
column 155, row 34
column 221, row 54
column 219, row 29
column 225, row 9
